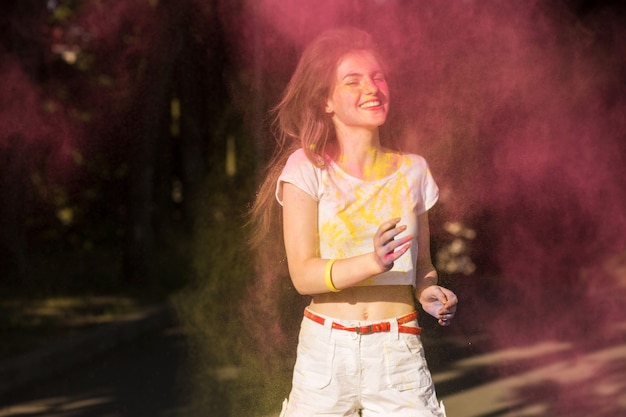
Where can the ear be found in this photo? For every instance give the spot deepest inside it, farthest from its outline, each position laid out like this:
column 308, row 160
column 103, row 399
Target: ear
column 329, row 108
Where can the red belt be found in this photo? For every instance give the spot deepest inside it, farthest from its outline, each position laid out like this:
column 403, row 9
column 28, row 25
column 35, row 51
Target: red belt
column 384, row 326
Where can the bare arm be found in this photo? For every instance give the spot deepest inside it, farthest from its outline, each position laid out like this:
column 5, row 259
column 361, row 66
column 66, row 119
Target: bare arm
column 437, row 301
column 306, row 268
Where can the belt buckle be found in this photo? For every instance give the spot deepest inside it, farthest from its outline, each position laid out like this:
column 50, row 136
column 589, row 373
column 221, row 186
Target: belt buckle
column 364, row 329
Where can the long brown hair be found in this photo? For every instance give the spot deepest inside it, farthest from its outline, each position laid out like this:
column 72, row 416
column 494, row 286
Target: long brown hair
column 300, row 121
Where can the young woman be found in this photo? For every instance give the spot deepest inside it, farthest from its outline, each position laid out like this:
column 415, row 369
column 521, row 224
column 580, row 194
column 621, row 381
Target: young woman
column 356, row 236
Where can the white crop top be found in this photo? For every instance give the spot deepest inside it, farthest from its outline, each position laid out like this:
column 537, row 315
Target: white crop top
column 350, row 210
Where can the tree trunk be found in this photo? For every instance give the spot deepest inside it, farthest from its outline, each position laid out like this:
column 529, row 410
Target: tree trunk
column 20, row 25
column 153, row 97
column 13, row 185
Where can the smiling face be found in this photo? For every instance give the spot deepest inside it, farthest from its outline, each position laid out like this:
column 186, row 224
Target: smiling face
column 360, row 97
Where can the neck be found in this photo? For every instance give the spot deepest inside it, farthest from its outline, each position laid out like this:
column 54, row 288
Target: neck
column 357, row 146
column 359, row 153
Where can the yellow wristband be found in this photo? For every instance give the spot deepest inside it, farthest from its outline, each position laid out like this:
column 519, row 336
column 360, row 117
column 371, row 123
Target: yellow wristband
column 328, row 278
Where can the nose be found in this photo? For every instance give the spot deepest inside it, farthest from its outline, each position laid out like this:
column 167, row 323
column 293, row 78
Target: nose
column 369, row 86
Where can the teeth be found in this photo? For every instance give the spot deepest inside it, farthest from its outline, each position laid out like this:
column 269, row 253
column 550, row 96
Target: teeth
column 370, row 104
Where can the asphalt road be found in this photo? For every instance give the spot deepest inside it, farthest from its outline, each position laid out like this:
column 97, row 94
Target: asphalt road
column 146, row 378
column 140, row 379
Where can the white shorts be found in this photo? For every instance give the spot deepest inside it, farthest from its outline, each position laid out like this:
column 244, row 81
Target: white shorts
column 342, row 373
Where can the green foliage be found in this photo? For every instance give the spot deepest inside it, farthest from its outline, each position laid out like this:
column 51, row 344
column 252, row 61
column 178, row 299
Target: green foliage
column 233, row 318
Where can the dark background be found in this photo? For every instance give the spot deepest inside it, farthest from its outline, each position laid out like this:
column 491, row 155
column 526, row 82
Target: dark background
column 133, row 135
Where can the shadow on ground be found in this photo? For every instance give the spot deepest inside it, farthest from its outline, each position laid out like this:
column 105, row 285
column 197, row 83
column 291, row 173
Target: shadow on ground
column 548, row 377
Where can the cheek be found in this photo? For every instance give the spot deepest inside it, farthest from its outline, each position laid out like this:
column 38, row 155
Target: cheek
column 348, row 92
column 345, row 99
column 384, row 90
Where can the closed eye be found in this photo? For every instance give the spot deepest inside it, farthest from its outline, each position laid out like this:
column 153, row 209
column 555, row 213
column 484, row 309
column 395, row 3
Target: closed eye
column 379, row 77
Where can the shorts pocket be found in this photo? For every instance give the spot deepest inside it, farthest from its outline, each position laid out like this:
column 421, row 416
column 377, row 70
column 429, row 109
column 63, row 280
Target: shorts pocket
column 405, row 364
column 314, row 362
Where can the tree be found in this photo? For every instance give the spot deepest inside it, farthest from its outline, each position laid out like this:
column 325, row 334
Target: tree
column 21, row 63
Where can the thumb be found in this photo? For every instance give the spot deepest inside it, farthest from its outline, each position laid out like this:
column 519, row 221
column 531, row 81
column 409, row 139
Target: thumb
column 441, row 295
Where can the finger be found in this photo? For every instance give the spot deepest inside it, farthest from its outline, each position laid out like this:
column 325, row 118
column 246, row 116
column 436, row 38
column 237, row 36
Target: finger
column 393, row 256
column 451, row 304
column 394, row 249
column 451, row 301
column 441, row 296
column 444, row 311
column 446, row 317
column 388, row 238
column 388, row 225
column 394, row 244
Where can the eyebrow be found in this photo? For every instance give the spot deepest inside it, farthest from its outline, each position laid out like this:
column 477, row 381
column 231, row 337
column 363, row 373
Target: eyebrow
column 358, row 74
column 352, row 74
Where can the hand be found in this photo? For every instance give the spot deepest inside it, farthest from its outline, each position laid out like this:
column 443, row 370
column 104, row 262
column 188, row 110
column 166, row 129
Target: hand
column 386, row 248
column 440, row 303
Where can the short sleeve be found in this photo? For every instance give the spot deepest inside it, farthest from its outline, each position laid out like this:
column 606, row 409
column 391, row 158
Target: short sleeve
column 427, row 186
column 300, row 172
